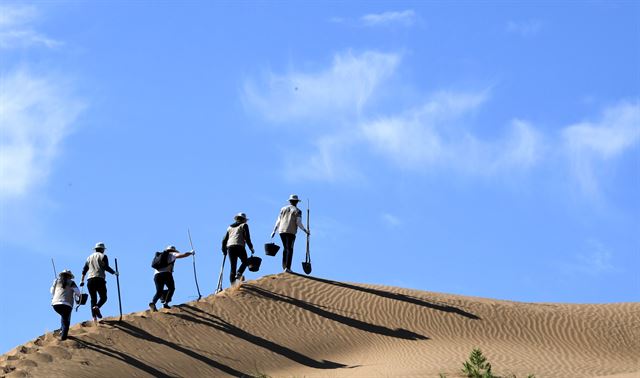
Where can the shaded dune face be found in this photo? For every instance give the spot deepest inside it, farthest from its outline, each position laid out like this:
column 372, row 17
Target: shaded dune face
column 289, row 325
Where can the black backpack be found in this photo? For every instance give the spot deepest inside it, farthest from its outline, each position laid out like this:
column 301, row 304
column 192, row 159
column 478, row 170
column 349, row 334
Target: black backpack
column 160, row 260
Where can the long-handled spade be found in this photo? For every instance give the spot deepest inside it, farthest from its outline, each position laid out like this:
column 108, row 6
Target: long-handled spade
column 219, row 288
column 195, row 276
column 306, row 266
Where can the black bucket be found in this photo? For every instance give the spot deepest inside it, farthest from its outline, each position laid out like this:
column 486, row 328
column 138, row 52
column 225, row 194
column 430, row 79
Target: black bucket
column 83, row 298
column 253, row 263
column 306, row 266
column 271, row 249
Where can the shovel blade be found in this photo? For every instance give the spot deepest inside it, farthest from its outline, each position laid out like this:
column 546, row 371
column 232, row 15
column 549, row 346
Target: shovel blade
column 306, row 266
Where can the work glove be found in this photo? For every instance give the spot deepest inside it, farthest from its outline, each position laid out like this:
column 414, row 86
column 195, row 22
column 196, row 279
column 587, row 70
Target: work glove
column 252, row 251
column 117, row 274
column 193, row 252
column 224, row 252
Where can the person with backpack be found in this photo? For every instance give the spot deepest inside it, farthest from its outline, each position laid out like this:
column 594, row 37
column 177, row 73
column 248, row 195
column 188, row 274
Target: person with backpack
column 64, row 291
column 94, row 268
column 287, row 224
column 233, row 245
column 163, row 275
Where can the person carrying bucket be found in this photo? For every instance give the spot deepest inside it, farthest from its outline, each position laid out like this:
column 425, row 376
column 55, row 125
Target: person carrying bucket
column 65, row 292
column 233, row 245
column 163, row 275
column 94, row 268
column 287, row 224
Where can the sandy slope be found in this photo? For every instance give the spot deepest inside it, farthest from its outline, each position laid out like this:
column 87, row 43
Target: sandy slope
column 296, row 326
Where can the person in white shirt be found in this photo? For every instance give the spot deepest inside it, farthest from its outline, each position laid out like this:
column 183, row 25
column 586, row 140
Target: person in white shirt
column 233, row 244
column 164, row 277
column 64, row 292
column 287, row 224
column 94, row 268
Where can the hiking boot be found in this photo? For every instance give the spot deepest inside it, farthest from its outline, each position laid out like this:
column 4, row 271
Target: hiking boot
column 153, row 307
column 96, row 311
column 239, row 277
column 166, row 305
column 287, row 270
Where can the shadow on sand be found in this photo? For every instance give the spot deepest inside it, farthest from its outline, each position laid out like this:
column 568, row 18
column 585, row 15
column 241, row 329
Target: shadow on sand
column 351, row 322
column 396, row 296
column 121, row 356
column 194, row 314
column 144, row 335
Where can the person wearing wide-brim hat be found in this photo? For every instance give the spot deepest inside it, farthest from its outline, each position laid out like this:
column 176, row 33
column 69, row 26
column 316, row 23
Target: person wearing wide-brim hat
column 94, row 268
column 233, row 245
column 287, row 224
column 163, row 276
column 64, row 292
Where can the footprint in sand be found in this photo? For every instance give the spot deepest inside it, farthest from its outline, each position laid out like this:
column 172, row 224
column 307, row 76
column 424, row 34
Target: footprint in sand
column 41, row 357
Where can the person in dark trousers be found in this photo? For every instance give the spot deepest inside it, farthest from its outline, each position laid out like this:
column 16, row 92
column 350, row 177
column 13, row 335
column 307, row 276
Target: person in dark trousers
column 94, row 268
column 164, row 277
column 64, row 292
column 233, row 244
column 287, row 224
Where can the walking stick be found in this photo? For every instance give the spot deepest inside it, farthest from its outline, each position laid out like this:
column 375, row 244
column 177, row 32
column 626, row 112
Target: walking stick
column 118, row 283
column 195, row 276
column 219, row 288
column 55, row 274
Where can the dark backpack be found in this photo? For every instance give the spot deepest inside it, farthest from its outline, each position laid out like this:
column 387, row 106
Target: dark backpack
column 160, row 260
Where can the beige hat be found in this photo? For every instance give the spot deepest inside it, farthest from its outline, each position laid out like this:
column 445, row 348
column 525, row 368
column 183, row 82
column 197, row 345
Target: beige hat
column 171, row 248
column 294, row 197
column 100, row 245
column 66, row 272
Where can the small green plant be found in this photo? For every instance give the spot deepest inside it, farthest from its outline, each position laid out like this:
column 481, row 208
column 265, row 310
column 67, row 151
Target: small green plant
column 477, row 366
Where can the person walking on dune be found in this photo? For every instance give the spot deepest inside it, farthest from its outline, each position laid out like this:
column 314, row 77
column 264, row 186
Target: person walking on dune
column 65, row 292
column 233, row 244
column 94, row 268
column 287, row 224
column 163, row 275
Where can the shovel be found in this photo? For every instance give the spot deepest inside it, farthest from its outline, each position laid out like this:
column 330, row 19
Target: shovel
column 306, row 265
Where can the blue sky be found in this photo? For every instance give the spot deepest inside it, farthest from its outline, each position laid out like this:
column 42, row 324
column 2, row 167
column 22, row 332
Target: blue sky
column 476, row 148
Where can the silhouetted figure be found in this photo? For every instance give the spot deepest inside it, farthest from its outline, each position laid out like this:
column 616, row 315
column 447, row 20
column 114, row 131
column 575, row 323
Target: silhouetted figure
column 163, row 276
column 233, row 244
column 64, row 291
column 289, row 220
column 94, row 268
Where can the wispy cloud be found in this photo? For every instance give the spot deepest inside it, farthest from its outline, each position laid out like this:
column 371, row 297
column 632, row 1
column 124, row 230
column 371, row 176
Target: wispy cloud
column 525, row 28
column 438, row 136
column 596, row 259
column 590, row 143
column 404, row 18
column 16, row 30
column 36, row 113
column 343, row 88
column 391, row 220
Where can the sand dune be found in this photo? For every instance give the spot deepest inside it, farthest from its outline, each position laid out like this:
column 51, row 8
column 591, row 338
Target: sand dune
column 289, row 325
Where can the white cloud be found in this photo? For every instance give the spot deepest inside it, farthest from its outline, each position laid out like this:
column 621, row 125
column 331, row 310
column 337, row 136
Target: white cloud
column 391, row 220
column 404, row 18
column 595, row 260
column 36, row 113
column 526, row 28
column 589, row 143
column 329, row 161
column 15, row 30
column 343, row 88
column 436, row 136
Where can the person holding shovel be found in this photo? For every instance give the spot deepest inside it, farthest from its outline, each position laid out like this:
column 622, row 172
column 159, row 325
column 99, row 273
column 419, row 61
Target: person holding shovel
column 163, row 276
column 287, row 224
column 64, row 292
column 233, row 245
column 94, row 268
